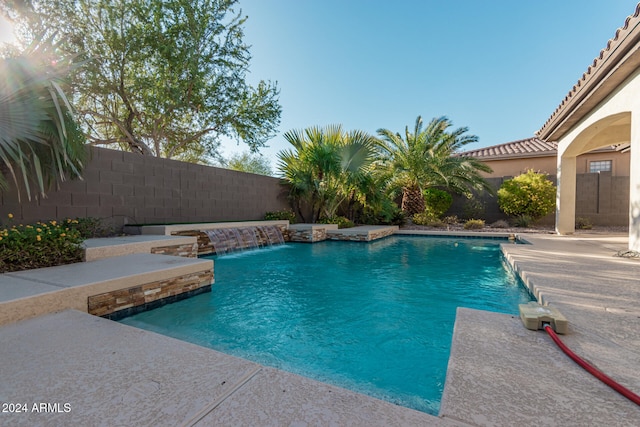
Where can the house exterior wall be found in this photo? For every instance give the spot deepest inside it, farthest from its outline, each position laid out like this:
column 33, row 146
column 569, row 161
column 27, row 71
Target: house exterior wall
column 515, row 167
column 127, row 188
column 548, row 164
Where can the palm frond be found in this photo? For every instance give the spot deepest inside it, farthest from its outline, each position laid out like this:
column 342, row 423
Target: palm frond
column 39, row 140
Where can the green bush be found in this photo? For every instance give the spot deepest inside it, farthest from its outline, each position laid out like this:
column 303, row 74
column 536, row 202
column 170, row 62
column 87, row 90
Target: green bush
column 474, row 224
column 24, row 247
column 451, row 220
column 427, row 218
column 385, row 212
column 530, row 194
column 523, row 221
column 342, row 222
column 91, row 227
column 286, row 214
column 473, row 208
column 437, row 201
column 583, row 223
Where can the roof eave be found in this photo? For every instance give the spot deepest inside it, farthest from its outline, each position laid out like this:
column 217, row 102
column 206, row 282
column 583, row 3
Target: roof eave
column 516, row 156
column 615, row 64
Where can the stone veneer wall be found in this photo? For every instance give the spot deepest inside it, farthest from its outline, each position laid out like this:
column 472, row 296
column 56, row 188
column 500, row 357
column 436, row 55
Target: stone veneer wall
column 125, row 302
column 310, row 235
column 364, row 237
column 186, row 250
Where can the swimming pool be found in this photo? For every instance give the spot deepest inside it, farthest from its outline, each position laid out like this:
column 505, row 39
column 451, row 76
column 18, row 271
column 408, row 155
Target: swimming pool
column 375, row 317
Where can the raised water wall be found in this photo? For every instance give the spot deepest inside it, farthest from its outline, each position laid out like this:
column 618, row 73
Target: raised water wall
column 224, row 237
column 228, row 236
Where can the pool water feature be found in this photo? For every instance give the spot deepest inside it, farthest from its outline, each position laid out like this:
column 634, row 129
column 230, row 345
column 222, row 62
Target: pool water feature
column 232, row 239
column 375, row 317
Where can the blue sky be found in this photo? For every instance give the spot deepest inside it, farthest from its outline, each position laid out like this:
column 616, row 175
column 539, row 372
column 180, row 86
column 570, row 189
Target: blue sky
column 499, row 68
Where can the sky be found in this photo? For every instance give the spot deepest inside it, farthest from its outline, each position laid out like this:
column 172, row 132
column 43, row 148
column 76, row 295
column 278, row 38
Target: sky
column 498, row 67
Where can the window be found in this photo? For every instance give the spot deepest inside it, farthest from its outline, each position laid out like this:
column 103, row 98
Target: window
column 600, row 166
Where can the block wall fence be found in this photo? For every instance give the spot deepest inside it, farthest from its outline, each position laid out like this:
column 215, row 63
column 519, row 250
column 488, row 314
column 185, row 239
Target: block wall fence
column 127, row 188
column 600, row 197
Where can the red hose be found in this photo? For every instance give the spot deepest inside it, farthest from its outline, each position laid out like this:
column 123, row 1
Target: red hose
column 593, row 371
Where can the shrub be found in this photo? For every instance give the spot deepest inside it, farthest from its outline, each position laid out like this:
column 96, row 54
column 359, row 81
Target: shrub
column 286, row 214
column 473, row 208
column 384, row 212
column 450, row 220
column 583, row 223
column 474, row 224
column 523, row 221
column 427, row 218
column 437, row 201
column 39, row 245
column 90, row 227
column 342, row 221
column 501, row 223
column 530, row 194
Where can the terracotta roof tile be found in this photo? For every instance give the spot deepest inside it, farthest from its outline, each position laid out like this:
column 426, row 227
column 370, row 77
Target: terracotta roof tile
column 531, row 147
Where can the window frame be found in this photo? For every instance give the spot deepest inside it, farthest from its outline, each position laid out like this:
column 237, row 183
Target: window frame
column 600, row 163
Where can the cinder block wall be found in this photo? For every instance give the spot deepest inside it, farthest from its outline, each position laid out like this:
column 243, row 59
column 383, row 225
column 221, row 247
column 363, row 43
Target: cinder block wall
column 127, row 188
column 600, row 197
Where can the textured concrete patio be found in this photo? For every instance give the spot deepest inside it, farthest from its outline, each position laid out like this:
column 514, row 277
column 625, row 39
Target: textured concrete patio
column 503, row 374
column 499, row 373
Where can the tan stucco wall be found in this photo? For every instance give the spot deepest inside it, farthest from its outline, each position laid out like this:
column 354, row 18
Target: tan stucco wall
column 515, row 167
column 548, row 165
column 619, row 167
column 615, row 120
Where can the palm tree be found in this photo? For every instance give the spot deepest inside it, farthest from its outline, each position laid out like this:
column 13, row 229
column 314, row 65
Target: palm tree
column 428, row 158
column 40, row 143
column 325, row 167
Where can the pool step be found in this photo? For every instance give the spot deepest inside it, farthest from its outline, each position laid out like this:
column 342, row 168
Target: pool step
column 107, row 247
column 103, row 287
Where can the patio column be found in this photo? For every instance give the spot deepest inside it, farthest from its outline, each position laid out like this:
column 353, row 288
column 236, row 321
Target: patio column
column 566, row 195
column 634, row 183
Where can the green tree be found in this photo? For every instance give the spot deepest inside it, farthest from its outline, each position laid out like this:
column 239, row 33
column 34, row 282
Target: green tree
column 160, row 77
column 40, row 143
column 326, row 168
column 530, row 194
column 249, row 162
column 428, row 157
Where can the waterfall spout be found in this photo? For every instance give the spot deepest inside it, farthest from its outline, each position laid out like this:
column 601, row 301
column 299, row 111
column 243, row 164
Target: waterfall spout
column 225, row 240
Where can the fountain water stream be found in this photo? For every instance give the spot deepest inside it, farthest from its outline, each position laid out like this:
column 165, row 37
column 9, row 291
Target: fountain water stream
column 225, row 240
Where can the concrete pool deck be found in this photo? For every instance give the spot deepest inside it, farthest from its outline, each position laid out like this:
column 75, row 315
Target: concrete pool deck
column 499, row 373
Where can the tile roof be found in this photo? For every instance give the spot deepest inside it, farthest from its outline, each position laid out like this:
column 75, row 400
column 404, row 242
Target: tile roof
column 621, row 49
column 531, row 147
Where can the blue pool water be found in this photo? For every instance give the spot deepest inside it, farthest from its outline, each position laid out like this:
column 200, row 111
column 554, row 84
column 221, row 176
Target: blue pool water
column 376, row 317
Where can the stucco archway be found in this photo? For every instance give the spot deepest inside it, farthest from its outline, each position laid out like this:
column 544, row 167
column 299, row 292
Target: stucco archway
column 593, row 133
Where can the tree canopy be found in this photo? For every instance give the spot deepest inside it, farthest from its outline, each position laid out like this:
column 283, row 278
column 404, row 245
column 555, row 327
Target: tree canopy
column 428, row 157
column 249, row 162
column 159, row 77
column 326, row 167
